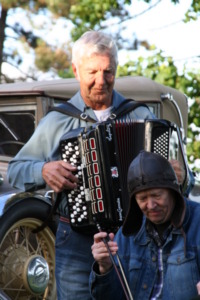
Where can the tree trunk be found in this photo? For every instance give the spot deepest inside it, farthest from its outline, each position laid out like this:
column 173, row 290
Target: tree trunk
column 3, row 15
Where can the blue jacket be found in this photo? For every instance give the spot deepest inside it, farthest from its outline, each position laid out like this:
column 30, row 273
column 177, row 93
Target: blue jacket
column 25, row 169
column 138, row 254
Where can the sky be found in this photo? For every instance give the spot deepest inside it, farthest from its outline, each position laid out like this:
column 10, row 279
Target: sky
column 161, row 26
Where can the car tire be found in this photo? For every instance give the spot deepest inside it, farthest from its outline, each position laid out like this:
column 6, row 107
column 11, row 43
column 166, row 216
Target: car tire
column 21, row 250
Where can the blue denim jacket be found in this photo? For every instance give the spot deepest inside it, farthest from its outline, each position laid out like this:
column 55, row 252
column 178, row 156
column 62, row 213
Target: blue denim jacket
column 138, row 254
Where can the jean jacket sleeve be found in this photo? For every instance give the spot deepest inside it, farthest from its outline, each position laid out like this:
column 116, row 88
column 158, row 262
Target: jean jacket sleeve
column 105, row 286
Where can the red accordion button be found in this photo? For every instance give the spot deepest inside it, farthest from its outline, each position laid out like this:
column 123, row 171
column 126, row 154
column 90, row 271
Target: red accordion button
column 92, row 143
column 94, row 155
column 97, row 180
column 95, row 168
column 100, row 206
column 99, row 193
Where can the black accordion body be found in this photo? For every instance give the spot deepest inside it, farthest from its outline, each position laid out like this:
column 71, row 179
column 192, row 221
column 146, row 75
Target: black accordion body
column 102, row 154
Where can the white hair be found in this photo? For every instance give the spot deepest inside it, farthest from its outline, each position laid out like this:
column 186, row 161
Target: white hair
column 94, row 42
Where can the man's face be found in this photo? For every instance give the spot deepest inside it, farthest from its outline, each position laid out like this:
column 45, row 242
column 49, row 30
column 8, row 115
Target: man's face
column 96, row 75
column 156, row 204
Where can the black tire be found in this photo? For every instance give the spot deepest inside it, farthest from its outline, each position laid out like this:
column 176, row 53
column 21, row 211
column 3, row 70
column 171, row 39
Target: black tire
column 18, row 244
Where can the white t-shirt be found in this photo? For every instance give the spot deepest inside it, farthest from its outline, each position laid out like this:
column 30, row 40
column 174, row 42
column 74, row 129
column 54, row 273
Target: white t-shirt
column 102, row 115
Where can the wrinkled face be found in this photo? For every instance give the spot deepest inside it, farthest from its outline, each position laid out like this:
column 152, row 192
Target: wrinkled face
column 156, row 204
column 96, row 74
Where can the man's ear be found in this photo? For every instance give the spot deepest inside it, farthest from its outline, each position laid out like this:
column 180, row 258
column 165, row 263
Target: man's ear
column 75, row 71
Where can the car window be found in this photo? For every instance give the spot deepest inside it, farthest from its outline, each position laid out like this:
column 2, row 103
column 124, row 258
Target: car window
column 15, row 130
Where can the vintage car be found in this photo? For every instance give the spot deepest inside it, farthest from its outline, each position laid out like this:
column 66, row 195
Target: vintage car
column 26, row 258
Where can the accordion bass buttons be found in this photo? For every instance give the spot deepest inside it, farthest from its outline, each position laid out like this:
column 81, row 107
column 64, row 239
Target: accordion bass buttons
column 70, row 152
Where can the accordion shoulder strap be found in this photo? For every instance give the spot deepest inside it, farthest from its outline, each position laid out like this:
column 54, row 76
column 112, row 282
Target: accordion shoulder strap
column 125, row 107
column 70, row 110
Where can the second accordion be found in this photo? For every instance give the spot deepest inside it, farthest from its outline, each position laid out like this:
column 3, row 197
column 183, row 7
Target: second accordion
column 102, row 154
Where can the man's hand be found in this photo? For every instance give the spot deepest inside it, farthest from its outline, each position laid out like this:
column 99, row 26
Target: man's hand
column 58, row 175
column 198, row 287
column 100, row 252
column 178, row 169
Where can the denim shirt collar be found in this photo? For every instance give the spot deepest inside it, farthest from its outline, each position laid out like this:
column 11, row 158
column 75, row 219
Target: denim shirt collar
column 142, row 238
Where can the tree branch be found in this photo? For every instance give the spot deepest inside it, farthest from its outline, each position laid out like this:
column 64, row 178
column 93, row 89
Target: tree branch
column 127, row 18
column 22, row 72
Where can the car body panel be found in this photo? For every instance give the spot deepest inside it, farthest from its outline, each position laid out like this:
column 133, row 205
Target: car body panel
column 138, row 88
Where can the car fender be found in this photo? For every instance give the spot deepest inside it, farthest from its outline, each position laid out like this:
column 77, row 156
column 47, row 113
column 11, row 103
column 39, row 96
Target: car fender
column 7, row 201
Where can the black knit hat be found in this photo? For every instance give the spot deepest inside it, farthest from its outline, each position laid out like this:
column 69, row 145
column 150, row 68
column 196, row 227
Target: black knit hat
column 149, row 170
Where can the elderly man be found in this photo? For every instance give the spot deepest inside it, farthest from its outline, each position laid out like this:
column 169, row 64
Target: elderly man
column 94, row 62
column 159, row 244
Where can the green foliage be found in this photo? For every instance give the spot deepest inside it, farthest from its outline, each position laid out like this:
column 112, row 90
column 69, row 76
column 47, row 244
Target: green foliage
column 90, row 14
column 60, row 7
column 163, row 70
column 193, row 12
column 66, row 73
column 157, row 67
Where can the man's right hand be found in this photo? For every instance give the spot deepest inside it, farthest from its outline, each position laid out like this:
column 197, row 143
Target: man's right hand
column 100, row 252
column 59, row 175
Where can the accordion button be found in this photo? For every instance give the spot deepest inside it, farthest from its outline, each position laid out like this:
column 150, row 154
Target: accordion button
column 94, row 156
column 99, row 193
column 100, row 206
column 97, row 180
column 92, row 143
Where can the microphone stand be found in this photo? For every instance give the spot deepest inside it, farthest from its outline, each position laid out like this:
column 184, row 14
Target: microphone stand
column 122, row 279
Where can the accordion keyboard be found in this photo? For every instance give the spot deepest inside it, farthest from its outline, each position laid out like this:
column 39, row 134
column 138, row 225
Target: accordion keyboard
column 76, row 197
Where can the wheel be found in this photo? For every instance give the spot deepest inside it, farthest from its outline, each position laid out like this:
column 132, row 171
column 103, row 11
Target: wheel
column 27, row 260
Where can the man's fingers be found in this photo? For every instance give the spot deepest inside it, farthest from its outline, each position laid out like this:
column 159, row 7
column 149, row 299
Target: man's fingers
column 58, row 175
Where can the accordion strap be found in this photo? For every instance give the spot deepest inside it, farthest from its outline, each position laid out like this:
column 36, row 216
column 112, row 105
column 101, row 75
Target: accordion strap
column 125, row 107
column 70, row 110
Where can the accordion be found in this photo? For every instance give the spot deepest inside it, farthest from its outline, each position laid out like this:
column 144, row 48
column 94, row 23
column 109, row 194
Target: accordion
column 102, row 154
